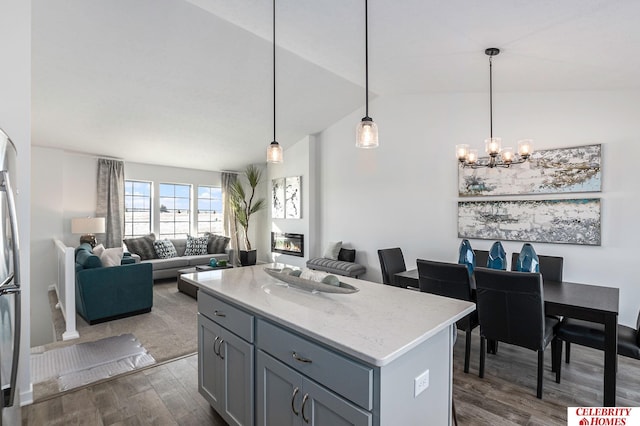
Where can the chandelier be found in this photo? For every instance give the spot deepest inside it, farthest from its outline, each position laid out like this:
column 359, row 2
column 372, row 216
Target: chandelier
column 498, row 156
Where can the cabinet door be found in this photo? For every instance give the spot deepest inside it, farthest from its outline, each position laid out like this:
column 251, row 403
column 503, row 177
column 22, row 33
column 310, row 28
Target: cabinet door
column 278, row 393
column 236, row 357
column 324, row 408
column 209, row 363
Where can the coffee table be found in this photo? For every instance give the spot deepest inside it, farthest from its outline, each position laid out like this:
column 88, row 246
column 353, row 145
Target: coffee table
column 190, row 289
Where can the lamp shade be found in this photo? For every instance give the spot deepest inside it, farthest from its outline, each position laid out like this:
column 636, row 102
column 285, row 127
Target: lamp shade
column 274, row 153
column 88, row 225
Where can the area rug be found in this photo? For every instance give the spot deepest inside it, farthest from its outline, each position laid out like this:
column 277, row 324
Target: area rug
column 168, row 332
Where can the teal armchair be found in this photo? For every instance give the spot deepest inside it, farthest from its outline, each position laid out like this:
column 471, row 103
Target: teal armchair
column 108, row 293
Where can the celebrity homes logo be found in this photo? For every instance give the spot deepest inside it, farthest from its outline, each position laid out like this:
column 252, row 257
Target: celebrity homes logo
column 603, row 416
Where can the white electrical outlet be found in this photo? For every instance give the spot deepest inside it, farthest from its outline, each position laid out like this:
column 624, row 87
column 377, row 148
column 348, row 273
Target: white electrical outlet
column 420, row 383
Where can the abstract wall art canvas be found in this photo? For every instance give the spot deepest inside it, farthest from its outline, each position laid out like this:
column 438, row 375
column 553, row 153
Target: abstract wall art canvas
column 277, row 198
column 293, row 197
column 551, row 171
column 572, row 221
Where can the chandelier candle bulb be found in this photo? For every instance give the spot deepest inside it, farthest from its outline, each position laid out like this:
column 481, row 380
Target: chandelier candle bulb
column 492, row 146
column 472, row 156
column 507, row 155
column 462, row 151
column 525, row 148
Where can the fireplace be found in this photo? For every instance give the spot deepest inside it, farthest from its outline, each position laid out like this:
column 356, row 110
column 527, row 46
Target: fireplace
column 285, row 243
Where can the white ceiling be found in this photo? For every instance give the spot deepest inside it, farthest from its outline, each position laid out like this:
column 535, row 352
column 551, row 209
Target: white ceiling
column 188, row 83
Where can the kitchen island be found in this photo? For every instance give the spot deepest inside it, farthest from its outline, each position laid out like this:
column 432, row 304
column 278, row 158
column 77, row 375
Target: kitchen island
column 270, row 354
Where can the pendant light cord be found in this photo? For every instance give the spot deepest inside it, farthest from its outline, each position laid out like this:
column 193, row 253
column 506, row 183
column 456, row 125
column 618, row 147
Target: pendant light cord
column 274, row 70
column 366, row 56
column 490, row 98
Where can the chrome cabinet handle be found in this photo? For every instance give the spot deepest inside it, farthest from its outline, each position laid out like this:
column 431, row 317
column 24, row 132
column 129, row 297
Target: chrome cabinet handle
column 301, row 359
column 293, row 398
column 214, row 345
column 219, row 314
column 304, row 402
column 220, row 349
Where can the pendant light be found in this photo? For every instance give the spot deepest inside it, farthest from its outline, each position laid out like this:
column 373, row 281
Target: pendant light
column 498, row 156
column 274, row 150
column 367, row 130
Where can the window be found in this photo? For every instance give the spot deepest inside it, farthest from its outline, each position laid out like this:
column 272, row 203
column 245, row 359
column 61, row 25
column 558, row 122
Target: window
column 175, row 213
column 137, row 208
column 209, row 210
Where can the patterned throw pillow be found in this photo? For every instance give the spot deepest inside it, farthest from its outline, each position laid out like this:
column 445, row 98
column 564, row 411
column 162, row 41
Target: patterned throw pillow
column 196, row 245
column 217, row 243
column 142, row 246
column 165, row 249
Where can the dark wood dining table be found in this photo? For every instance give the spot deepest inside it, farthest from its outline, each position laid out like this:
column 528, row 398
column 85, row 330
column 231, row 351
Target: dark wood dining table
column 573, row 300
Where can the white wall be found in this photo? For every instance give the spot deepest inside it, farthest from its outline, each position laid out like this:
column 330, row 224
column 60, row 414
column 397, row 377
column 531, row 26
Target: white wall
column 405, row 192
column 299, row 160
column 15, row 119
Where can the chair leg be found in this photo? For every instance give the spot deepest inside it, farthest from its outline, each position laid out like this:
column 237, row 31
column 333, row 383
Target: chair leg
column 568, row 355
column 540, row 368
column 558, row 358
column 453, row 412
column 483, row 350
column 467, row 350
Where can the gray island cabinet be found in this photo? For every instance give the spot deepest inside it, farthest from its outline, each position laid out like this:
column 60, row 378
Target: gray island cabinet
column 274, row 355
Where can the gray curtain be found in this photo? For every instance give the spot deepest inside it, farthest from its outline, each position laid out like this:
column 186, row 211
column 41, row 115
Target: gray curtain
column 228, row 220
column 110, row 203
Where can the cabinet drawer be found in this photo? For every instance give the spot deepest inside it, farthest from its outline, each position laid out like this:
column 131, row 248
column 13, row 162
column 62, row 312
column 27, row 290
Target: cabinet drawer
column 348, row 378
column 228, row 316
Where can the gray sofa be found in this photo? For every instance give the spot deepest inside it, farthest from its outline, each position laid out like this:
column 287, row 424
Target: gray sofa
column 168, row 268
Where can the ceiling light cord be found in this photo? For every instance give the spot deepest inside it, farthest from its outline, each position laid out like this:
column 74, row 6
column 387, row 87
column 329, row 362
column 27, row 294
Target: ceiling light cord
column 490, row 98
column 274, row 70
column 366, row 56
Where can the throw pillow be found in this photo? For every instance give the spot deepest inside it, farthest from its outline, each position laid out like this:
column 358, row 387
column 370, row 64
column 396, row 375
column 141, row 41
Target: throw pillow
column 196, row 245
column 142, row 246
column 111, row 256
column 97, row 250
column 217, row 243
column 332, row 250
column 347, row 255
column 165, row 249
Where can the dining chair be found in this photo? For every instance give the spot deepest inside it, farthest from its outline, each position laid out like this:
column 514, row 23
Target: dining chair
column 550, row 266
column 482, row 257
column 511, row 310
column 591, row 334
column 450, row 280
column 391, row 262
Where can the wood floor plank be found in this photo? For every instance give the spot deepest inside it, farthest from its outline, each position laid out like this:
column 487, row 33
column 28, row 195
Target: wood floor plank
column 168, row 393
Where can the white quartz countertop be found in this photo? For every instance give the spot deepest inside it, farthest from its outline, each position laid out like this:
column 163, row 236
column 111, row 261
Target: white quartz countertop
column 375, row 325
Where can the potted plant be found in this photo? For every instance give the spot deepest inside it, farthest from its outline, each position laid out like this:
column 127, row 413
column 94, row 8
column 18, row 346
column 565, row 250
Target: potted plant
column 243, row 206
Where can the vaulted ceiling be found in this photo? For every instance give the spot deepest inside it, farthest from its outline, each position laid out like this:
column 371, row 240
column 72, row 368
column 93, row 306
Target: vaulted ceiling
column 188, row 83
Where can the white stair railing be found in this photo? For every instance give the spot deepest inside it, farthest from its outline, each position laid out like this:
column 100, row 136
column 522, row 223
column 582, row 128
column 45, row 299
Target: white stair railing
column 65, row 289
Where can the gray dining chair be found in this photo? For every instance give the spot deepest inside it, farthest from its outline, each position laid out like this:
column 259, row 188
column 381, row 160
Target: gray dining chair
column 511, row 310
column 550, row 266
column 586, row 333
column 450, row 280
column 391, row 262
column 482, row 257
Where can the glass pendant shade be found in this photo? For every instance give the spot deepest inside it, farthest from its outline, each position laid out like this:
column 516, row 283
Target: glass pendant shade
column 525, row 148
column 492, row 146
column 274, row 153
column 367, row 134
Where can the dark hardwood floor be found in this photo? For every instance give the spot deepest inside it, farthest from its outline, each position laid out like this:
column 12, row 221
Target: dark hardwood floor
column 167, row 394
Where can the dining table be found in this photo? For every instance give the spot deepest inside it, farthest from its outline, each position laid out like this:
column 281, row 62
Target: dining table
column 595, row 303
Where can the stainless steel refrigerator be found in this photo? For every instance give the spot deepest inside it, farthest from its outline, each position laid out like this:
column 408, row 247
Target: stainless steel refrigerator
column 9, row 276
